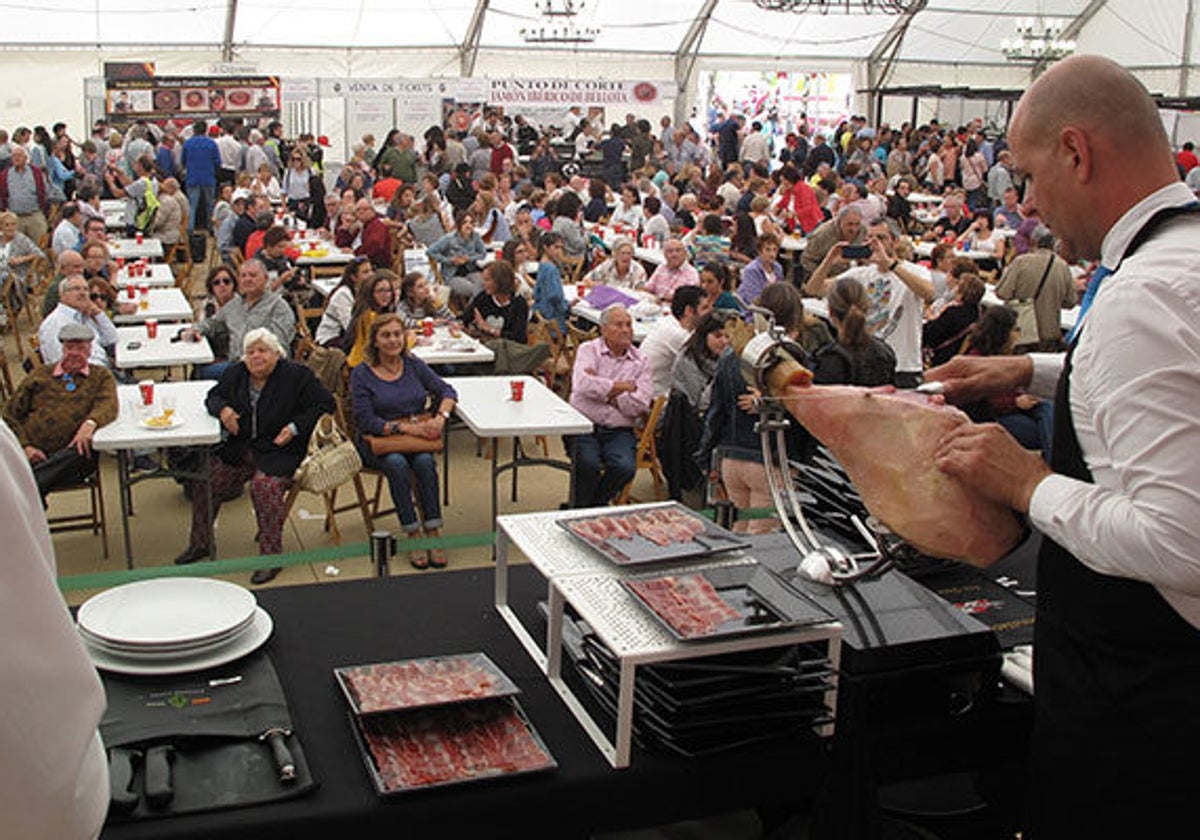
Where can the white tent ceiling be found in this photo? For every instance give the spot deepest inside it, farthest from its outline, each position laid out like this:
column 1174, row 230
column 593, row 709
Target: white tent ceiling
column 1154, row 34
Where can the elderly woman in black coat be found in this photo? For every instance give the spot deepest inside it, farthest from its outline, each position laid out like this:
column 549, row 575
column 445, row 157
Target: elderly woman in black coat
column 268, row 407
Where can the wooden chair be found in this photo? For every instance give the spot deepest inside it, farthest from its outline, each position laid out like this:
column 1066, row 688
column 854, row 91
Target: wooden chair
column 7, row 386
column 647, row 453
column 575, row 266
column 93, row 520
column 557, row 367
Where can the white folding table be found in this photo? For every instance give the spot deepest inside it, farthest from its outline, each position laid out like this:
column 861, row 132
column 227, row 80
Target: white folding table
column 485, row 404
column 135, row 348
column 164, row 304
column 197, row 428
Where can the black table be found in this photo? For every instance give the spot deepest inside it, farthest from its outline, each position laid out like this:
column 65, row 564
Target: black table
column 319, row 627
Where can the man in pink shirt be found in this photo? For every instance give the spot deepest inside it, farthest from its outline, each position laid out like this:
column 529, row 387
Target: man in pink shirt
column 612, row 386
column 675, row 273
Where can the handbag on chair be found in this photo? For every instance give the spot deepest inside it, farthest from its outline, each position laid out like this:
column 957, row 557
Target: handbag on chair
column 387, row 444
column 331, row 461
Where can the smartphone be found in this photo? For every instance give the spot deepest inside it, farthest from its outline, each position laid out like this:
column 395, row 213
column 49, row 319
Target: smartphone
column 856, row 252
column 133, row 345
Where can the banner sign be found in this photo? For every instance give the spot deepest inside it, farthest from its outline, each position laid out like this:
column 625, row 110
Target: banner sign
column 186, row 98
column 511, row 93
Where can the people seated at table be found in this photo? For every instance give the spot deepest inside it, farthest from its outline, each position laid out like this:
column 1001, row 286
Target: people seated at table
column 621, row 270
column 611, row 385
column 418, row 302
column 335, row 319
column 708, row 242
column 847, row 227
column 681, row 425
column 898, row 290
column 494, row 226
column 674, row 273
column 666, row 338
column 942, row 337
column 762, row 270
column 499, row 317
column 368, row 236
column 68, row 233
column 854, row 356
column 403, row 405
column 281, row 271
column 76, row 307
column 458, row 255
column 1022, row 280
column 266, row 184
column 425, row 222
column 58, row 406
column 18, row 253
column 730, row 444
column 954, row 220
column 716, row 280
column 1028, row 419
column 655, row 224
column 374, row 297
column 567, row 213
column 983, row 239
column 628, row 212
column 105, row 295
column 596, row 209
column 268, row 406
column 549, row 301
column 254, row 307
column 1008, row 214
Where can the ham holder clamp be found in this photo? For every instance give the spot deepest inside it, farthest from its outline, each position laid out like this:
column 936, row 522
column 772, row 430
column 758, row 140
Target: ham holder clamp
column 822, row 562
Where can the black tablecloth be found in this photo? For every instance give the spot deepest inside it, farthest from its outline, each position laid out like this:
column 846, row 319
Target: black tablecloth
column 319, row 627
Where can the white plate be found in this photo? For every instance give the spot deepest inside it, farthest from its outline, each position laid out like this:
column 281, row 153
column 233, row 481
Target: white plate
column 176, row 422
column 251, row 640
column 166, row 611
column 181, row 649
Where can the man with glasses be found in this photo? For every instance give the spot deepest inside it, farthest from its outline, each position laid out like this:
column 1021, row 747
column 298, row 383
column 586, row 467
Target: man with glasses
column 75, row 307
column 58, row 407
column 255, row 306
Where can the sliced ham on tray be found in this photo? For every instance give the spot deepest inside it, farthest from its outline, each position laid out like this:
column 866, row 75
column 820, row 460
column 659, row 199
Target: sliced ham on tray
column 422, row 682
column 690, row 604
column 451, row 744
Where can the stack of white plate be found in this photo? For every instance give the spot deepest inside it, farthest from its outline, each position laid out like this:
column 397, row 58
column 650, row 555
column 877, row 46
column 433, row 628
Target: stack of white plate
column 172, row 625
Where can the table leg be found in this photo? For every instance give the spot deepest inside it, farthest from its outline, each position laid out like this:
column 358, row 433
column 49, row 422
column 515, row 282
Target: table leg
column 554, row 625
column 124, row 491
column 625, row 714
column 206, row 477
column 518, row 453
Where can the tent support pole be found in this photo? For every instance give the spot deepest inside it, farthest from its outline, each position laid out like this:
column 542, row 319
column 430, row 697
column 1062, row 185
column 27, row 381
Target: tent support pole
column 230, row 20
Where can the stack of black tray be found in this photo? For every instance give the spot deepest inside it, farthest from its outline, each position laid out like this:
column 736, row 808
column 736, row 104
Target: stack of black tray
column 708, row 704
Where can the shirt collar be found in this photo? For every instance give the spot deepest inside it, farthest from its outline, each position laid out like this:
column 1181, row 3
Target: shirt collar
column 60, row 373
column 605, row 350
column 1117, row 240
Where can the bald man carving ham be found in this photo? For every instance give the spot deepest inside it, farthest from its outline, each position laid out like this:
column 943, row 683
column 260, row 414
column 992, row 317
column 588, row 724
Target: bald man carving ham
column 1117, row 649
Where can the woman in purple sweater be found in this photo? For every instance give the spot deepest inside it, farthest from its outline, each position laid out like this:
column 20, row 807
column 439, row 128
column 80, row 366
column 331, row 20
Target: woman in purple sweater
column 391, row 394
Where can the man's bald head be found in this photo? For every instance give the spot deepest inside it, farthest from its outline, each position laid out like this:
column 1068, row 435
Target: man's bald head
column 1099, row 96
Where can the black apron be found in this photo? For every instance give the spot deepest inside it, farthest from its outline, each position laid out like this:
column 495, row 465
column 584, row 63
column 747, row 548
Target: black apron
column 1116, row 749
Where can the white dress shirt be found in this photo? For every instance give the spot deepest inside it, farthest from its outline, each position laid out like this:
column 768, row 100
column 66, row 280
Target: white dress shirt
column 661, row 347
column 53, row 772
column 1135, row 404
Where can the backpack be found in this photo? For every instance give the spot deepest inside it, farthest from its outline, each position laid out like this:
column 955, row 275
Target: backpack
column 147, row 209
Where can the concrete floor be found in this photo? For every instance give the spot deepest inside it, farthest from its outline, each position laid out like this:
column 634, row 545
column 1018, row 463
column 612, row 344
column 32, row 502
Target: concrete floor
column 160, row 525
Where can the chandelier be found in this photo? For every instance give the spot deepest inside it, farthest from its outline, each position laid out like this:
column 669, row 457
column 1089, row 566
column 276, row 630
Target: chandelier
column 1038, row 40
column 824, row 7
column 558, row 28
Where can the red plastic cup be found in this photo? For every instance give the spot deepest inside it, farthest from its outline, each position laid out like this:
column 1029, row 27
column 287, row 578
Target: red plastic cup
column 146, row 386
column 120, row 263
column 139, row 237
column 151, row 328
column 580, row 291
column 518, row 389
column 131, row 291
column 143, row 290
column 427, row 327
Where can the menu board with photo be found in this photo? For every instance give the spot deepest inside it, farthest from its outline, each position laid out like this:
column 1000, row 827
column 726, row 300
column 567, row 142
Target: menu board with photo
column 185, row 98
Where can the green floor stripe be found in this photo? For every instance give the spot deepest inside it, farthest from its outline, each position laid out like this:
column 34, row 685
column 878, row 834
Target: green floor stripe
column 104, row 580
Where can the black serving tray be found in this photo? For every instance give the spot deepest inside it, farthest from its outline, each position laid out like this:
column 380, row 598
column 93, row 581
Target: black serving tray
column 637, row 549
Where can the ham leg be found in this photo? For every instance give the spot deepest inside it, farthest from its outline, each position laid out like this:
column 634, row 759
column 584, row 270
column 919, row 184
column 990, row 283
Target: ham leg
column 885, row 440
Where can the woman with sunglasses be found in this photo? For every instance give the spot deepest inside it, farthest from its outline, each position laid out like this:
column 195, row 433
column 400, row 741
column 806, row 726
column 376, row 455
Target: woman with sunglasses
column 375, row 297
column 339, row 310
